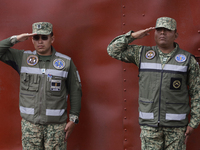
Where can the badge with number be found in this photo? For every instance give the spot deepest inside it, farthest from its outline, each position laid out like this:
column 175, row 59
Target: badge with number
column 32, row 60
column 59, row 63
column 180, row 58
column 150, row 54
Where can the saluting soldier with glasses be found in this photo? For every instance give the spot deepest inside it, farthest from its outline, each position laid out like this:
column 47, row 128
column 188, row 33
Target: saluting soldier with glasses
column 47, row 77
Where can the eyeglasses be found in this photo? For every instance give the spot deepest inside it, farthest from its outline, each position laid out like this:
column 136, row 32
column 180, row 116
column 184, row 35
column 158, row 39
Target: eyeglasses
column 37, row 37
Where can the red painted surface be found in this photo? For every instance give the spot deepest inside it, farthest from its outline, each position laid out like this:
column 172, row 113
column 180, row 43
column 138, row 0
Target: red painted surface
column 83, row 29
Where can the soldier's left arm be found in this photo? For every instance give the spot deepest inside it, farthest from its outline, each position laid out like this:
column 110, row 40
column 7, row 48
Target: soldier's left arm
column 74, row 89
column 194, row 91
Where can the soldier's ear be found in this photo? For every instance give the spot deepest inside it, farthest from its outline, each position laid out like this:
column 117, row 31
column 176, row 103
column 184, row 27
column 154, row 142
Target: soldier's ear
column 176, row 35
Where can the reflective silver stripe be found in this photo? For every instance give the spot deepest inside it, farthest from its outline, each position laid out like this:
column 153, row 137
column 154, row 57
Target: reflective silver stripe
column 79, row 79
column 53, row 72
column 30, row 52
column 55, row 112
column 175, row 116
column 144, row 115
column 175, row 68
column 168, row 67
column 151, row 66
column 31, row 70
column 62, row 55
column 59, row 73
column 26, row 110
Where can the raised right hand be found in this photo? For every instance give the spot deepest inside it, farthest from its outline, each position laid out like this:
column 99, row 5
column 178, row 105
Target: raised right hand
column 24, row 36
column 142, row 33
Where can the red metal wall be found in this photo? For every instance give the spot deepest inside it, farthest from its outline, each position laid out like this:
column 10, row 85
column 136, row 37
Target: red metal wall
column 83, row 29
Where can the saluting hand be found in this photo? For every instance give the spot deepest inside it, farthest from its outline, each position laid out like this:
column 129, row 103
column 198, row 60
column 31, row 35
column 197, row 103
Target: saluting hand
column 25, row 36
column 142, row 33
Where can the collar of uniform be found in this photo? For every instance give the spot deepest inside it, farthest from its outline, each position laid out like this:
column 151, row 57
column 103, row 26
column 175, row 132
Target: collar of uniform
column 169, row 54
column 44, row 58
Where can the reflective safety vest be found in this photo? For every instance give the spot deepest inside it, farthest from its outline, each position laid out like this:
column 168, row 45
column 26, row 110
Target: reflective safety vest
column 163, row 92
column 43, row 92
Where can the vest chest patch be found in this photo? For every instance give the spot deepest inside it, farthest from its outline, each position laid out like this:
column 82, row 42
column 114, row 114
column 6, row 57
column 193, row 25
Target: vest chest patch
column 180, row 58
column 175, row 83
column 55, row 85
column 150, row 54
column 32, row 60
column 59, row 63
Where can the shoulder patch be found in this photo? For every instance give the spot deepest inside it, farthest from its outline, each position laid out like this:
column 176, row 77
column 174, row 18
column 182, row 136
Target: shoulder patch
column 180, row 58
column 59, row 63
column 150, row 54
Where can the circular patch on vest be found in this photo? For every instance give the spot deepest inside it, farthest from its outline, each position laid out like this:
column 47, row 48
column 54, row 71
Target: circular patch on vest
column 176, row 84
column 59, row 63
column 32, row 60
column 180, row 58
column 150, row 54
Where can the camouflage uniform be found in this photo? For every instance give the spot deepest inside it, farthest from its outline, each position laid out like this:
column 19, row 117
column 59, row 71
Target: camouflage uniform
column 152, row 137
column 39, row 137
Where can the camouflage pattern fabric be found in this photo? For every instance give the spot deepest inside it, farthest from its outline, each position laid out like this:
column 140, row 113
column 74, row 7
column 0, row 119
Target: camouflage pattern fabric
column 44, row 28
column 120, row 49
column 166, row 22
column 162, row 138
column 40, row 137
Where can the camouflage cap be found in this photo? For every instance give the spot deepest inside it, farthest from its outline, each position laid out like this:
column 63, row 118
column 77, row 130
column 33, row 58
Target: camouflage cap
column 166, row 22
column 44, row 28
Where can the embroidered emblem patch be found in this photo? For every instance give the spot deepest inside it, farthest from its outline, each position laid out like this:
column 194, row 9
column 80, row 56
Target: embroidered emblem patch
column 32, row 60
column 59, row 63
column 175, row 83
column 150, row 54
column 39, row 26
column 180, row 58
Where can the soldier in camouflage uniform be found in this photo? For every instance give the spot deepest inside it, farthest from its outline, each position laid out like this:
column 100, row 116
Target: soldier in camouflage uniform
column 168, row 75
column 47, row 77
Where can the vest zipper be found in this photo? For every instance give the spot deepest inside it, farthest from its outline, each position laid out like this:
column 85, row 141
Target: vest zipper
column 41, row 96
column 160, row 98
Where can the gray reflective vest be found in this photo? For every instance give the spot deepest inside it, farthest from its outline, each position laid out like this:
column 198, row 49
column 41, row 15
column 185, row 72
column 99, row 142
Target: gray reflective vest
column 43, row 92
column 163, row 92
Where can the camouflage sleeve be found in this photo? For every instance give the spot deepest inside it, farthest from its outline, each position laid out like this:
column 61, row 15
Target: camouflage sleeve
column 119, row 49
column 194, row 91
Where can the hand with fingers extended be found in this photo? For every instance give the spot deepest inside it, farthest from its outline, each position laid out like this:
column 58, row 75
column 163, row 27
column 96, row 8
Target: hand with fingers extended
column 24, row 36
column 142, row 33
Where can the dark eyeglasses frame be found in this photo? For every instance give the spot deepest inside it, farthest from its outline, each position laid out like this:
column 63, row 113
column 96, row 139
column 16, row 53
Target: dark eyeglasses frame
column 43, row 37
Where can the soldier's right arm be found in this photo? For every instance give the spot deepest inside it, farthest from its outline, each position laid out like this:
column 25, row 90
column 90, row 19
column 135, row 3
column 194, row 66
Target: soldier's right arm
column 10, row 56
column 120, row 49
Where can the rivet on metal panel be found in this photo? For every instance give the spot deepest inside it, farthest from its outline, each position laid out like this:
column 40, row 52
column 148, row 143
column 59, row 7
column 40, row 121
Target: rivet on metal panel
column 124, row 69
column 123, row 6
column 124, row 80
column 125, row 109
column 124, row 32
column 125, row 139
column 124, row 100
column 124, row 24
column 198, row 49
column 124, row 90
column 125, row 129
column 198, row 31
column 125, row 118
column 124, row 15
column 143, row 15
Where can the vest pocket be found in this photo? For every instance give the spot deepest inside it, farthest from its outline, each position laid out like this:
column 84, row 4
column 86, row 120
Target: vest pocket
column 29, row 82
column 54, row 86
column 145, row 105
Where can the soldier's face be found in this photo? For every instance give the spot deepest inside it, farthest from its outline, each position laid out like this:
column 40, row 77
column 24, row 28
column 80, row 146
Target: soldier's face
column 42, row 44
column 165, row 37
